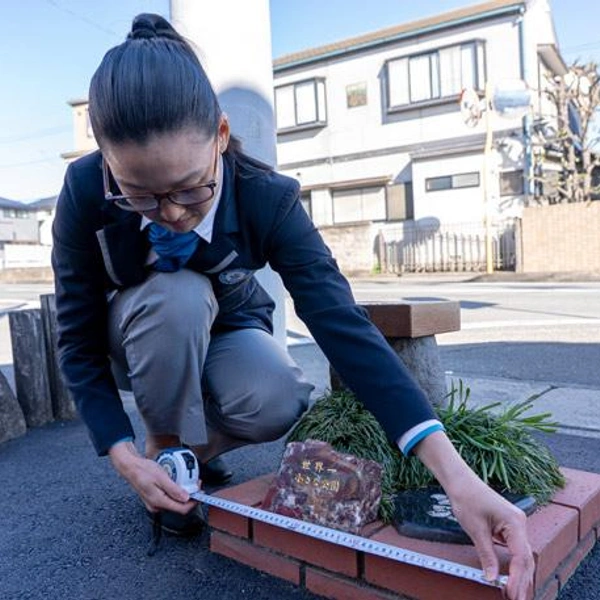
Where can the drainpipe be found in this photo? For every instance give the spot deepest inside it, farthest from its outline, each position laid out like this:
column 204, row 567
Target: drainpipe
column 527, row 120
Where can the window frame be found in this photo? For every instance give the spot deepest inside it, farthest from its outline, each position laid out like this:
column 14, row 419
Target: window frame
column 479, row 66
column 305, row 199
column 452, row 185
column 319, row 122
column 511, row 173
column 337, row 223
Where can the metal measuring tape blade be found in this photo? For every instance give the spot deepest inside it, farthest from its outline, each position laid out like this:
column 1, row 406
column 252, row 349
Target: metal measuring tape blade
column 349, row 540
column 182, row 467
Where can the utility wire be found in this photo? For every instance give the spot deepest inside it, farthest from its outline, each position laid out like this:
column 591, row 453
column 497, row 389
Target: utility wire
column 45, row 132
column 30, row 162
column 82, row 18
column 585, row 46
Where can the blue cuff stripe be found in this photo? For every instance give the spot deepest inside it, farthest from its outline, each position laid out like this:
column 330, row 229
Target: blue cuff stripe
column 420, row 436
column 128, row 438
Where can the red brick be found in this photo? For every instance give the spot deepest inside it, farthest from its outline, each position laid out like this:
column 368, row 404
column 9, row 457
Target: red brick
column 549, row 591
column 340, row 588
column 228, row 522
column 423, row 583
column 570, row 564
column 316, row 552
column 581, row 492
column 463, row 554
column 250, row 493
column 257, row 558
column 553, row 534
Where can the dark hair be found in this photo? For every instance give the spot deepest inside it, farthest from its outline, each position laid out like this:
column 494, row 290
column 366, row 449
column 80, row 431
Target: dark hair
column 154, row 83
column 151, row 83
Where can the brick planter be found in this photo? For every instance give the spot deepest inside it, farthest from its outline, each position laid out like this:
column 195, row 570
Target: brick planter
column 561, row 534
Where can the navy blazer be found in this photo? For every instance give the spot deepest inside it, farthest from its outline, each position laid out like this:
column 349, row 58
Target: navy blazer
column 99, row 247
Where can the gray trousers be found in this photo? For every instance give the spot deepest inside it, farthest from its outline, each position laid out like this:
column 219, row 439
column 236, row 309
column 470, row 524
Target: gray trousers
column 219, row 392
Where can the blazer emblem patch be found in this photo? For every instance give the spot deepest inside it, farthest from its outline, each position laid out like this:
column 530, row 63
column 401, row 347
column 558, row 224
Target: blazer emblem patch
column 233, row 276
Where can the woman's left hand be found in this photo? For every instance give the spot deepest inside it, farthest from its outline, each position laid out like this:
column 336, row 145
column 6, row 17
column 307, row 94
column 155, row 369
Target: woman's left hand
column 484, row 515
column 487, row 517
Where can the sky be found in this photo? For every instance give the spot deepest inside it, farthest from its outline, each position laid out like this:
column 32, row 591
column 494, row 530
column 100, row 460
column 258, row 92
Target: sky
column 49, row 50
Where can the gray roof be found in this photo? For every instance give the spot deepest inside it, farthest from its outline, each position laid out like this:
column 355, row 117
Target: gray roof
column 6, row 203
column 389, row 34
column 43, row 203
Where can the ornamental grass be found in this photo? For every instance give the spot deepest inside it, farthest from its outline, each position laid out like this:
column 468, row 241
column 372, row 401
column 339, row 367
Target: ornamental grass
column 497, row 445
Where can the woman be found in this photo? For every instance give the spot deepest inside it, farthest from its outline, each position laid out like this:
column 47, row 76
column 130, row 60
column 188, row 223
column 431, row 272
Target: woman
column 156, row 240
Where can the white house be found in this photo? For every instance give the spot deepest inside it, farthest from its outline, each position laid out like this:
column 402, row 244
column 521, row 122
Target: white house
column 25, row 238
column 372, row 125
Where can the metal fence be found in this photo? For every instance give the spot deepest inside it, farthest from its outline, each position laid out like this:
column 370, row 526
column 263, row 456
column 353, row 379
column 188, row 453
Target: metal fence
column 461, row 247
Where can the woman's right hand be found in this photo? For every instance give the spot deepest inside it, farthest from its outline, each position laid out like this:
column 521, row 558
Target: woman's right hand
column 155, row 488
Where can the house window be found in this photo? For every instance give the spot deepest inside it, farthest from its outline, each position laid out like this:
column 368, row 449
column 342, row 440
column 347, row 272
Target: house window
column 88, row 124
column 12, row 213
column 305, row 200
column 359, row 204
column 511, row 183
column 301, row 105
column 452, row 182
column 399, row 200
column 435, row 75
column 356, row 95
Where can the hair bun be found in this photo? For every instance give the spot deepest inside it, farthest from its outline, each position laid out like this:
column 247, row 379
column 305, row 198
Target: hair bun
column 148, row 26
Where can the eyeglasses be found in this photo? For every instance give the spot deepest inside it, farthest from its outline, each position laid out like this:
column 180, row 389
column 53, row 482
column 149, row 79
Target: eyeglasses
column 188, row 196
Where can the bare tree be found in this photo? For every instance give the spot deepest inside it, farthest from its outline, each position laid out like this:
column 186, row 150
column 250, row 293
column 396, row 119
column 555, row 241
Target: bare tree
column 574, row 140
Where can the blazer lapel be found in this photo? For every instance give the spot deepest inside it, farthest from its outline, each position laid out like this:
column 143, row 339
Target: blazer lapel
column 124, row 247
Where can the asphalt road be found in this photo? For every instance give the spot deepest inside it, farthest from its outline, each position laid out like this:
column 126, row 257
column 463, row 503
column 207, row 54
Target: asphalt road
column 518, row 330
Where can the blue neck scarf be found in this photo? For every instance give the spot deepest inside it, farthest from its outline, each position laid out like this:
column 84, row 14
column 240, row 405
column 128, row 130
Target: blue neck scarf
column 173, row 249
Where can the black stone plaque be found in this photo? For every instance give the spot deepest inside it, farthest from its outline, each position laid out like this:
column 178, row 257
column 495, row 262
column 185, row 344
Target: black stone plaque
column 427, row 514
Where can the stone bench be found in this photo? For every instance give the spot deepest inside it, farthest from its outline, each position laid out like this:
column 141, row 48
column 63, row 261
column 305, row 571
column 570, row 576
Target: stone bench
column 410, row 328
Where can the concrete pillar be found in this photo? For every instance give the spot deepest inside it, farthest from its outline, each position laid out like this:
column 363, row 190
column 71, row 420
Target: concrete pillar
column 233, row 41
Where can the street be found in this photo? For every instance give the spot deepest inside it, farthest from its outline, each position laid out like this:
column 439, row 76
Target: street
column 547, row 332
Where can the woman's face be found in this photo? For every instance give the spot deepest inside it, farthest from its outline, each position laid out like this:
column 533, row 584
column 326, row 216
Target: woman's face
column 168, row 162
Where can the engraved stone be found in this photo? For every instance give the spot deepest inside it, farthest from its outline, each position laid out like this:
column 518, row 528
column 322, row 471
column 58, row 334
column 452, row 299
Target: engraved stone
column 427, row 514
column 317, row 484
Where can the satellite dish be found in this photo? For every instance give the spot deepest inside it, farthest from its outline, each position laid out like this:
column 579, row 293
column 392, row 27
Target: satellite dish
column 471, row 107
column 511, row 98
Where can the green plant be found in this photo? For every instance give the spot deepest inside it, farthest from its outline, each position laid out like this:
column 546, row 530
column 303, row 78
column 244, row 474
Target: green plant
column 499, row 447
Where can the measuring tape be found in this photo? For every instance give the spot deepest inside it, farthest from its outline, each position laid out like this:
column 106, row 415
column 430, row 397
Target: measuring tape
column 340, row 538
